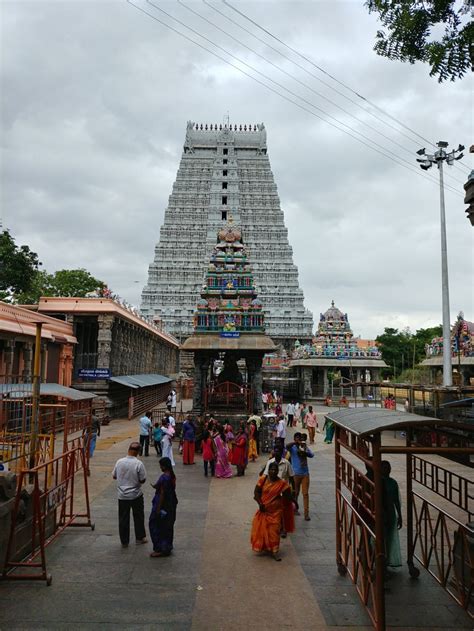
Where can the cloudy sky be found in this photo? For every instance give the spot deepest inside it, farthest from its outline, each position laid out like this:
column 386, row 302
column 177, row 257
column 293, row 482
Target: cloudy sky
column 95, row 99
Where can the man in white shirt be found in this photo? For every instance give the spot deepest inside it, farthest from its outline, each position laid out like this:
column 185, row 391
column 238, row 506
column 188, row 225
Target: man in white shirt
column 280, row 432
column 145, row 432
column 285, row 470
column 290, row 413
column 130, row 474
column 171, row 420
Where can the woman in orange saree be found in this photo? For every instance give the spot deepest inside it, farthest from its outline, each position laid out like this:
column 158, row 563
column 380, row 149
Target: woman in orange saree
column 274, row 498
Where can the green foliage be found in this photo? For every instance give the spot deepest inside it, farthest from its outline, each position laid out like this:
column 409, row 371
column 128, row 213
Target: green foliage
column 18, row 267
column 402, row 349
column 420, row 375
column 72, row 283
column 410, row 23
column 39, row 287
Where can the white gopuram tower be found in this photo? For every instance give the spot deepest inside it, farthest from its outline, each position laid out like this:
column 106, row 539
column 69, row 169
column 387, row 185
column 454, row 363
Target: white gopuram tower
column 225, row 173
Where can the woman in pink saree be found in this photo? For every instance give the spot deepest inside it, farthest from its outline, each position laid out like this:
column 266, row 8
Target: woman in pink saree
column 223, row 468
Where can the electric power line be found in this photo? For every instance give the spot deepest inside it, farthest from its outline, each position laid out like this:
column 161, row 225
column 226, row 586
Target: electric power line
column 377, row 147
column 341, row 83
column 283, row 96
column 288, row 74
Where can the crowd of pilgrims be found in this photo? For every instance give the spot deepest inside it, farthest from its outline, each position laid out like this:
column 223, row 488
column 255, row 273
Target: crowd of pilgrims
column 281, row 478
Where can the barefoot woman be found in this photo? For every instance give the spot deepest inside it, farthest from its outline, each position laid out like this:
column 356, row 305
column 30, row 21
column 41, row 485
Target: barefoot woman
column 273, row 496
column 163, row 511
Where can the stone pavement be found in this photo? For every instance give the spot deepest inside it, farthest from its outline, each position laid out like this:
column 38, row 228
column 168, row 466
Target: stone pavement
column 212, row 581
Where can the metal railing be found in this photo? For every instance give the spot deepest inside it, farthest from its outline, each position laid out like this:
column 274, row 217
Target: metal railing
column 445, row 548
column 453, row 487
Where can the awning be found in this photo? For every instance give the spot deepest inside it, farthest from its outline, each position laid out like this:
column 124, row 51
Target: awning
column 140, row 381
column 361, row 421
column 19, row 390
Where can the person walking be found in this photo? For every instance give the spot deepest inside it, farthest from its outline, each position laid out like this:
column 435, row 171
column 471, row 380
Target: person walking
column 95, row 431
column 167, row 440
column 285, row 470
column 163, row 511
column 130, row 474
column 239, row 451
column 300, row 453
column 223, row 468
column 145, row 431
column 189, row 436
column 208, row 453
column 273, row 496
column 290, row 413
column 157, row 438
column 280, row 432
column 304, row 412
column 311, row 423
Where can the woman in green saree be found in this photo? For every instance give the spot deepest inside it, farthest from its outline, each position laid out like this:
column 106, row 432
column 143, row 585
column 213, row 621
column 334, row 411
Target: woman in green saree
column 392, row 513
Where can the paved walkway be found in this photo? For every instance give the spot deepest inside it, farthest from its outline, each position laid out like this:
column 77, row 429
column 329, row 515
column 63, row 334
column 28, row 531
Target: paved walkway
column 212, row 581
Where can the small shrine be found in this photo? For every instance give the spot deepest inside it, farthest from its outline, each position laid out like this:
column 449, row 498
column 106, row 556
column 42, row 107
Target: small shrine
column 228, row 327
column 335, row 357
column 462, row 353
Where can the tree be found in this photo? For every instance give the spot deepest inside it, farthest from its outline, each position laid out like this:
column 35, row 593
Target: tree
column 39, row 287
column 72, row 283
column 395, row 347
column 66, row 282
column 403, row 349
column 409, row 38
column 18, row 267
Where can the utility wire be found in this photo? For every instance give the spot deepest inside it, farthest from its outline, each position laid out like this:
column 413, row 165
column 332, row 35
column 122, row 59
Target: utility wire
column 288, row 74
column 341, row 83
column 390, row 157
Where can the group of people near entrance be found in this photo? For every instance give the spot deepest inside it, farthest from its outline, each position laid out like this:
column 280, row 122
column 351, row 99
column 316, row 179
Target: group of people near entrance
column 283, row 478
column 220, row 445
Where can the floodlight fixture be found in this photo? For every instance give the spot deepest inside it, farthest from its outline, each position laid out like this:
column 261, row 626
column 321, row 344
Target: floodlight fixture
column 426, row 165
column 461, row 155
column 460, row 148
column 443, row 144
column 420, row 152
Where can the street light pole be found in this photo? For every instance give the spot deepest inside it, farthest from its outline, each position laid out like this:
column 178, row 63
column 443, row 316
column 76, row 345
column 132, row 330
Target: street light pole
column 426, row 161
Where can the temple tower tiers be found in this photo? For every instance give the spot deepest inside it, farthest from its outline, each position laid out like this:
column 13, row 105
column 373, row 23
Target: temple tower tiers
column 225, row 173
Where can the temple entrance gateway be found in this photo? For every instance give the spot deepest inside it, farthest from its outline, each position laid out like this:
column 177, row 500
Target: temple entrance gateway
column 229, row 341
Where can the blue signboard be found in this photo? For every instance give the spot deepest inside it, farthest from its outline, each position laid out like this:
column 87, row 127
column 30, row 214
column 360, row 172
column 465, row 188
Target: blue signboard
column 230, row 333
column 94, row 373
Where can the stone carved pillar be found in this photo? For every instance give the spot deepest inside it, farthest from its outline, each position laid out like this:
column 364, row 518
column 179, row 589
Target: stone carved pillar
column 307, row 382
column 9, row 357
column 254, row 367
column 325, row 382
column 198, row 379
column 104, row 340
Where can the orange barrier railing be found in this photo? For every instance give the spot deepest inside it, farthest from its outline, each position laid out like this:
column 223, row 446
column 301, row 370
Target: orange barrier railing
column 53, row 501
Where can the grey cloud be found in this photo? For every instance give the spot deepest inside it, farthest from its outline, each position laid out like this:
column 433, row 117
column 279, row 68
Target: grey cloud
column 97, row 98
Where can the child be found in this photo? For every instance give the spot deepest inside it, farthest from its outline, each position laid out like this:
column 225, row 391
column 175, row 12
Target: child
column 157, row 436
column 208, row 453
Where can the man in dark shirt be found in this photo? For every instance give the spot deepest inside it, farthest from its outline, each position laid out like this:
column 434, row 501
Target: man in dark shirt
column 300, row 453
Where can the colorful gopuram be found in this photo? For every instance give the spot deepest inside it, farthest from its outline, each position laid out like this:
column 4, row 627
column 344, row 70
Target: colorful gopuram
column 334, row 338
column 229, row 326
column 334, row 356
column 229, row 300
column 225, row 170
